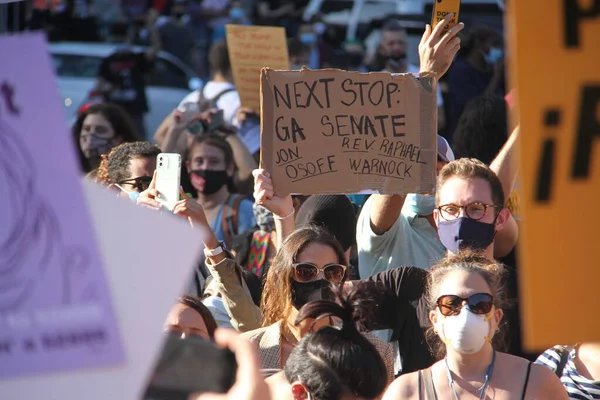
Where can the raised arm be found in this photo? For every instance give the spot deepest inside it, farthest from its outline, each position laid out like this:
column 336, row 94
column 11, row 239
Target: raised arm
column 436, row 53
column 244, row 161
column 505, row 165
column 281, row 207
column 244, row 314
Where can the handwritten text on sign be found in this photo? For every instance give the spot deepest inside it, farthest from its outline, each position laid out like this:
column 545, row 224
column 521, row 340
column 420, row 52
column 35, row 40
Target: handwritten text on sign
column 250, row 49
column 333, row 131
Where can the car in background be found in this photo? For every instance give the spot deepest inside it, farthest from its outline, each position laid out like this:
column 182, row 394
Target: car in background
column 76, row 66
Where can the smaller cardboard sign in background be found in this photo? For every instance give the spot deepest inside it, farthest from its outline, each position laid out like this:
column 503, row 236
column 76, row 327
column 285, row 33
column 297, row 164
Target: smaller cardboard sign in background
column 250, row 49
column 332, row 131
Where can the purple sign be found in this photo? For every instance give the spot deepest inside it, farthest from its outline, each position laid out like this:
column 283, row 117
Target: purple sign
column 55, row 302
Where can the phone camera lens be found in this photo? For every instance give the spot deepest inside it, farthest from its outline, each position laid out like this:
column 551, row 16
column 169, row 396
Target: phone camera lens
column 161, row 159
column 160, row 165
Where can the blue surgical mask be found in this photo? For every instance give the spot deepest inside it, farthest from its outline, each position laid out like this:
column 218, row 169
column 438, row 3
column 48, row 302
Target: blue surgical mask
column 236, row 13
column 133, row 196
column 420, row 204
column 493, row 56
column 308, row 38
column 216, row 306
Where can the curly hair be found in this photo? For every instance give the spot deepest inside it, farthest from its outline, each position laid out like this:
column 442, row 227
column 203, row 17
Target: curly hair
column 276, row 301
column 471, row 261
column 115, row 165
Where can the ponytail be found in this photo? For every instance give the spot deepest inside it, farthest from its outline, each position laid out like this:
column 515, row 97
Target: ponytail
column 334, row 361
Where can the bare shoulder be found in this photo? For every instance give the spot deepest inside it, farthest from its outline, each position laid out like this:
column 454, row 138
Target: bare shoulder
column 544, row 384
column 403, row 387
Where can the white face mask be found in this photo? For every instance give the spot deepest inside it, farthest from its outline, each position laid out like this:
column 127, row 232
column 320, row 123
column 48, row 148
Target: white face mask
column 466, row 332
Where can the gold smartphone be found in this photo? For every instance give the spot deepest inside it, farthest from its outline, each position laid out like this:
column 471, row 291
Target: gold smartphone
column 441, row 8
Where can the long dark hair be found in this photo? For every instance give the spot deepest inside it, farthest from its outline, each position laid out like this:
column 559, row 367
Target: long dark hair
column 196, row 304
column 482, row 129
column 333, row 361
column 118, row 118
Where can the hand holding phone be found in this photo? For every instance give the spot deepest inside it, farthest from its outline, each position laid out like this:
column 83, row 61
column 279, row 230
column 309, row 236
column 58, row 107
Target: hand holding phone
column 437, row 50
column 168, row 177
column 441, row 8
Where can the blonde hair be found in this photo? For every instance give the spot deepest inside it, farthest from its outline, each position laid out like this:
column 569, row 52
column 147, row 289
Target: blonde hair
column 471, row 168
column 473, row 262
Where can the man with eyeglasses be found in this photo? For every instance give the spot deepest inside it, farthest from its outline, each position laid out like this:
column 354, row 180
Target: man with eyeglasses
column 469, row 212
column 128, row 168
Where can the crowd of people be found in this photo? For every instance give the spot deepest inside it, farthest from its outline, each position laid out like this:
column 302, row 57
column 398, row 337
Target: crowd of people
column 334, row 296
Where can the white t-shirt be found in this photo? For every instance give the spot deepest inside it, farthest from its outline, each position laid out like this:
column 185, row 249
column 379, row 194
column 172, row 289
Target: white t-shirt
column 229, row 102
column 410, row 241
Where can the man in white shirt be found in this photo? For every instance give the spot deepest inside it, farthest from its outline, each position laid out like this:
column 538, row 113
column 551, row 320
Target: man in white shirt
column 220, row 89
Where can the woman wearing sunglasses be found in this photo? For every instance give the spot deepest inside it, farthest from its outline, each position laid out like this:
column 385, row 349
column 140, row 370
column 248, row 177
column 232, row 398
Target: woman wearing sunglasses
column 128, row 168
column 465, row 295
column 309, row 266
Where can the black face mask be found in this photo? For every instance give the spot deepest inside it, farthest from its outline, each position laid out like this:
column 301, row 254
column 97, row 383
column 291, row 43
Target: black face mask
column 213, row 181
column 303, row 293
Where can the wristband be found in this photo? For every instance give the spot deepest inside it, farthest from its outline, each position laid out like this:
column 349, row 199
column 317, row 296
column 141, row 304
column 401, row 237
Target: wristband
column 282, row 218
column 220, row 249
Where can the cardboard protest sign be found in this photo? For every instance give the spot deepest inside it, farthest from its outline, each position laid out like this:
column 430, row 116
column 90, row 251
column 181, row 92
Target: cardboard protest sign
column 559, row 103
column 332, row 131
column 149, row 259
column 56, row 311
column 250, row 49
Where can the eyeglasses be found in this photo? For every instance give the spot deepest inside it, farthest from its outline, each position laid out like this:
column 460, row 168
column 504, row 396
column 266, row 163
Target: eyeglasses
column 308, row 272
column 450, row 304
column 140, row 183
column 475, row 210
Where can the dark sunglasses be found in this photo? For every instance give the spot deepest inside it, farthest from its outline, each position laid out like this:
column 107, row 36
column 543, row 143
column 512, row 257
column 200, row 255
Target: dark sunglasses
column 308, row 272
column 480, row 303
column 140, row 183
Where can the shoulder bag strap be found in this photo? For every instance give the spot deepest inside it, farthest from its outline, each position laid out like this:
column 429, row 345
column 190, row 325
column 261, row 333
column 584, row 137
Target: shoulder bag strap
column 225, row 222
column 563, row 352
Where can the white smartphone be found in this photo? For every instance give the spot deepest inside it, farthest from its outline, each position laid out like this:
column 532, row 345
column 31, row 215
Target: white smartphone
column 168, row 176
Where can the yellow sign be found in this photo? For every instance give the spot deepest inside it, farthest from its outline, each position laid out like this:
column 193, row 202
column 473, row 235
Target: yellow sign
column 556, row 71
column 250, row 49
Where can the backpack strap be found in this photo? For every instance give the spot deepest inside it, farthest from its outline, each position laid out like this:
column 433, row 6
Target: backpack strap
column 229, row 218
column 215, row 99
column 563, row 352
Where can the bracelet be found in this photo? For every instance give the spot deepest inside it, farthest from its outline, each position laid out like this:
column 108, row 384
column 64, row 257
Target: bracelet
column 282, row 218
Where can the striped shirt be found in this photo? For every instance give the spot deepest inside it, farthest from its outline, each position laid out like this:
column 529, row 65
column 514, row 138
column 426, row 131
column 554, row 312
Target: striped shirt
column 578, row 387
